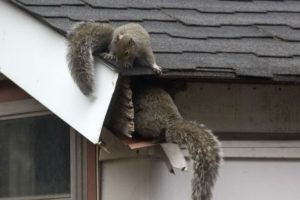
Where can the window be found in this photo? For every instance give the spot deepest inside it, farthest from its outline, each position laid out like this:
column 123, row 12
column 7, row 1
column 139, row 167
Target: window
column 40, row 156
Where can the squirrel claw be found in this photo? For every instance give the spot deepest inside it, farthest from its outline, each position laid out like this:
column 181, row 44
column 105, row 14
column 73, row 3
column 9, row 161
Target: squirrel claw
column 157, row 69
column 109, row 56
column 127, row 65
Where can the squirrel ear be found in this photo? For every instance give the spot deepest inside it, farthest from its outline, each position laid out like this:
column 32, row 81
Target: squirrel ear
column 131, row 42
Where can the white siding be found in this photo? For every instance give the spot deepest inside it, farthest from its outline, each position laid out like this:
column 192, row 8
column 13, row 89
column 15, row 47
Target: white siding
column 259, row 180
column 148, row 179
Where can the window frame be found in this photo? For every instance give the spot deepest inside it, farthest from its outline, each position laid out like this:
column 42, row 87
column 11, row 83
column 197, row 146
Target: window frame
column 78, row 157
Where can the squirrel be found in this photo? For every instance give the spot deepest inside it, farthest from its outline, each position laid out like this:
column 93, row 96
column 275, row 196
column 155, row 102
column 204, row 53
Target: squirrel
column 157, row 117
column 84, row 39
column 129, row 44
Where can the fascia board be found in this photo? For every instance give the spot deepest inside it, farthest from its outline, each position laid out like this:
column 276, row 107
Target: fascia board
column 33, row 56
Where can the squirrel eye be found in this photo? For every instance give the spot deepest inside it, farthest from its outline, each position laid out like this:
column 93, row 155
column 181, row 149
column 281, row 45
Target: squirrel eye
column 126, row 53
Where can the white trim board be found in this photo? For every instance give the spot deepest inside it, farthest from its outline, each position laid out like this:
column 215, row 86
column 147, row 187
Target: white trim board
column 34, row 57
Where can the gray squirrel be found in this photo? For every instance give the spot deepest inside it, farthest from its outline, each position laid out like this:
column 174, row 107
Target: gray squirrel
column 127, row 44
column 156, row 116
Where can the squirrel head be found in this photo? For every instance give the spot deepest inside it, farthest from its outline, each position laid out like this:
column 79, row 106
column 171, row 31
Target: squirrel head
column 124, row 49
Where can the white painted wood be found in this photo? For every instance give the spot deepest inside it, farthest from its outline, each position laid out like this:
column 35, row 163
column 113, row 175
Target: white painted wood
column 126, row 179
column 262, row 170
column 259, row 180
column 266, row 153
column 174, row 156
column 34, row 57
column 261, row 144
column 280, row 150
column 148, row 179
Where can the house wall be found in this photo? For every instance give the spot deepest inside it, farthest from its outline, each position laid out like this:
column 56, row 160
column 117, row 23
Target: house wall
column 248, row 117
column 246, row 179
column 242, row 108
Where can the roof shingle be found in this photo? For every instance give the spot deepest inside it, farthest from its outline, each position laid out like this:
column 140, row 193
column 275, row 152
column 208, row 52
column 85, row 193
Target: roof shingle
column 210, row 38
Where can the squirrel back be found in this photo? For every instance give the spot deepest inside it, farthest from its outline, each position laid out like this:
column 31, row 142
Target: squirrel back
column 83, row 40
column 158, row 117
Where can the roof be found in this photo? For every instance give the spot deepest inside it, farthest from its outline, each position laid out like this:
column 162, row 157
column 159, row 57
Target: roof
column 198, row 38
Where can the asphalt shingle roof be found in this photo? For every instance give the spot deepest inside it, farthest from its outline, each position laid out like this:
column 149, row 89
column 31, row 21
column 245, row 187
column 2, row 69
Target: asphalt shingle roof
column 198, row 38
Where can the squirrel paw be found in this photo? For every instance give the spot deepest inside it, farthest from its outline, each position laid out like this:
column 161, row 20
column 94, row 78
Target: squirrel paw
column 108, row 56
column 157, row 69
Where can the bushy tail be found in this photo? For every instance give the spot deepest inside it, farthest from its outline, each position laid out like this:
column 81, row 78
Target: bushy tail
column 83, row 40
column 204, row 149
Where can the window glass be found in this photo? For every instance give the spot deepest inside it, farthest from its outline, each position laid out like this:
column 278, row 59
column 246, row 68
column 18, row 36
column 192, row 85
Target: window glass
column 34, row 157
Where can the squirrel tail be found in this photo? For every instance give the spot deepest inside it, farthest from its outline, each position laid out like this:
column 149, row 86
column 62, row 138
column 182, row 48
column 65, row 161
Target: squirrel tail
column 84, row 39
column 204, row 149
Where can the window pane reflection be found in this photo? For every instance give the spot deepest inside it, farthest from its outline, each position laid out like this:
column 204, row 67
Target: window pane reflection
column 34, row 157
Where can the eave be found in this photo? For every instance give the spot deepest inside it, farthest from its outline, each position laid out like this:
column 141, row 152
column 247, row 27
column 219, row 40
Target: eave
column 33, row 56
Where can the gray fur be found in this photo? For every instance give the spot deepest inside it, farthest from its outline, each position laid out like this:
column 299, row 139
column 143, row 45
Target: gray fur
column 156, row 114
column 204, row 150
column 83, row 40
column 135, row 40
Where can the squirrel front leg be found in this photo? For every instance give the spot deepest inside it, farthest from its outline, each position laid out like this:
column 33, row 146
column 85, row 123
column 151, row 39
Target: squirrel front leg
column 156, row 68
column 109, row 56
column 150, row 61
